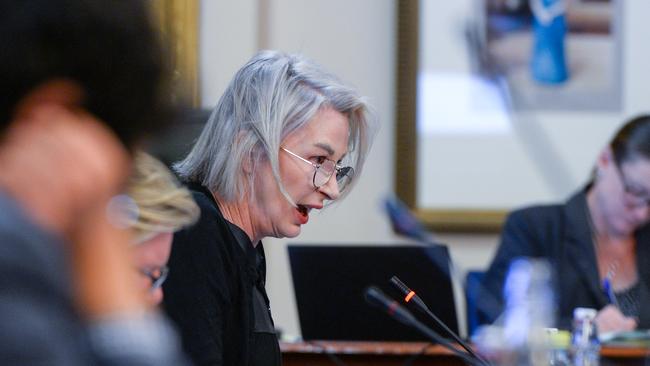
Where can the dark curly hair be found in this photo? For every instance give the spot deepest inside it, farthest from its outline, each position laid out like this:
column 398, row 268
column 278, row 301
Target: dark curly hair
column 109, row 49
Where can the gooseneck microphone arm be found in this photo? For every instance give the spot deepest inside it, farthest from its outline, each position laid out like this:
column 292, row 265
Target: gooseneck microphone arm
column 411, row 296
column 376, row 297
column 405, row 223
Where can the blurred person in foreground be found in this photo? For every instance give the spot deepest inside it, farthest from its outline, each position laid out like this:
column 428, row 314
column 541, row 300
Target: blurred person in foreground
column 82, row 83
column 598, row 242
column 160, row 206
column 285, row 138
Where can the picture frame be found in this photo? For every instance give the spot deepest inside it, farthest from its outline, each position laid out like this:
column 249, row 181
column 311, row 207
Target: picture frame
column 178, row 21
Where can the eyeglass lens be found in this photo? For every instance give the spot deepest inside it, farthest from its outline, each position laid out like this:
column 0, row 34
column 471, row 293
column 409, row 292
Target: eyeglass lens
column 633, row 198
column 324, row 172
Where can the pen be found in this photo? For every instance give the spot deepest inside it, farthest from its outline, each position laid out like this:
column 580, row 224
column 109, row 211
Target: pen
column 607, row 287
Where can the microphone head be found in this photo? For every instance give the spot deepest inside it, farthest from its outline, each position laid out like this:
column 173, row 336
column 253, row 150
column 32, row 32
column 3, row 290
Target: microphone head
column 409, row 295
column 403, row 221
column 395, row 281
column 374, row 296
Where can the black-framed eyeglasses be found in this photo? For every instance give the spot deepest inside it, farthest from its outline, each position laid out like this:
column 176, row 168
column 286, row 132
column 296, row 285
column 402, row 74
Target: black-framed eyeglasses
column 633, row 198
column 157, row 276
column 324, row 171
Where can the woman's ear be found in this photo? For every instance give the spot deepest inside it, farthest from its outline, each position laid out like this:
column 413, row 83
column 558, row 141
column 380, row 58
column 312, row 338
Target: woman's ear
column 247, row 163
column 605, row 158
column 60, row 92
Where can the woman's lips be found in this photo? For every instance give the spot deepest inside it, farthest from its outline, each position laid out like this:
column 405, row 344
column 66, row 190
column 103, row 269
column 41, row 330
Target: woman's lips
column 302, row 214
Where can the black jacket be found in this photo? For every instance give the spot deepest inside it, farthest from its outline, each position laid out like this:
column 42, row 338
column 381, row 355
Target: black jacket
column 41, row 323
column 209, row 291
column 561, row 234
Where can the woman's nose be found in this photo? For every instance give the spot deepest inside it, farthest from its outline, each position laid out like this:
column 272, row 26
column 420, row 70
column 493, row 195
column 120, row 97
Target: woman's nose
column 331, row 188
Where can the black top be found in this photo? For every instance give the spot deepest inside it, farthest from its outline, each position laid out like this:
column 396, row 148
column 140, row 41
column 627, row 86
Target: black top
column 629, row 300
column 215, row 292
column 562, row 234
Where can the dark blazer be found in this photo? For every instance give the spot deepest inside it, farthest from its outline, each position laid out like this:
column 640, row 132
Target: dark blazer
column 38, row 314
column 40, row 325
column 561, row 234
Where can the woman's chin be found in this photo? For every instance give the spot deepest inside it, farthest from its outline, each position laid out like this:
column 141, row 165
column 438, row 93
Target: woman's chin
column 293, row 231
column 623, row 228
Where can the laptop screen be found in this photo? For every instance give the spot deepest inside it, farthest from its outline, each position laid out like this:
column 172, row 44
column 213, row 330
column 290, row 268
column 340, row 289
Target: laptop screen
column 329, row 283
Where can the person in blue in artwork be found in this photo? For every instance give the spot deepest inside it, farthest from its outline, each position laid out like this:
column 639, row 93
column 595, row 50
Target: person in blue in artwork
column 598, row 241
column 548, row 63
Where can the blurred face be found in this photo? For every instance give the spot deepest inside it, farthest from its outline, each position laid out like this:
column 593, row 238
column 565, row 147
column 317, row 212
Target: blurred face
column 324, row 137
column 623, row 194
column 151, row 256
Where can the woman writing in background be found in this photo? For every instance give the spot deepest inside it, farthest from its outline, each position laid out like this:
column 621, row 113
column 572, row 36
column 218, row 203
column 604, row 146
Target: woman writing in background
column 598, row 241
column 284, row 139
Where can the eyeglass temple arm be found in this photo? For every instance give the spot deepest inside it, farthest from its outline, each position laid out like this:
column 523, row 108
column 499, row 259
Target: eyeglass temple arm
column 301, row 158
column 337, row 167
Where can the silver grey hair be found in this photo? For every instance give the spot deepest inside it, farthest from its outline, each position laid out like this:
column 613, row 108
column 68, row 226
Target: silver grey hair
column 271, row 96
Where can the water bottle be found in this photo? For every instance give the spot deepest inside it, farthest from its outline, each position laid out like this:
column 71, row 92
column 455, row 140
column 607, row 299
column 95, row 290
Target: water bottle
column 529, row 311
column 558, row 347
column 585, row 347
column 519, row 337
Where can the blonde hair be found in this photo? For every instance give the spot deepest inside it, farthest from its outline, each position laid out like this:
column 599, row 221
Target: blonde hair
column 162, row 204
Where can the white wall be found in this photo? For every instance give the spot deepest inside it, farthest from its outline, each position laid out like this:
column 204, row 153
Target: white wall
column 355, row 39
column 227, row 38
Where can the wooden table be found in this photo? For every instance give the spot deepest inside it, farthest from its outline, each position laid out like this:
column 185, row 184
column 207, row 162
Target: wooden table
column 325, row 353
column 622, row 355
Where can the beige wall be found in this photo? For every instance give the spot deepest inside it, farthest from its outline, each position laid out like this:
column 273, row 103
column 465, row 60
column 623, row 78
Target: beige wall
column 356, row 40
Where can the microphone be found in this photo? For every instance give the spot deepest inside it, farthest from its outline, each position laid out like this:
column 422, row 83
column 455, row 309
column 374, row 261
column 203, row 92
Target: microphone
column 374, row 296
column 411, row 297
column 405, row 223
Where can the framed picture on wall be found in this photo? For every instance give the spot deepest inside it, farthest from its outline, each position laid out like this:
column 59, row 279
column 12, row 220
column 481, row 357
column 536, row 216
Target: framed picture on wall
column 477, row 133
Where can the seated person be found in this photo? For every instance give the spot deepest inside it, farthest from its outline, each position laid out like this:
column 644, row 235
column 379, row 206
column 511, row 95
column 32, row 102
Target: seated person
column 70, row 116
column 162, row 206
column 598, row 241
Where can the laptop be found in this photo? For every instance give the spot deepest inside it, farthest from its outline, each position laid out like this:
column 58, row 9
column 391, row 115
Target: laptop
column 329, row 283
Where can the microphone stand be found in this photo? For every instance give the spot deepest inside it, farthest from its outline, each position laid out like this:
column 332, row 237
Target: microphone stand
column 376, row 297
column 406, row 224
column 412, row 296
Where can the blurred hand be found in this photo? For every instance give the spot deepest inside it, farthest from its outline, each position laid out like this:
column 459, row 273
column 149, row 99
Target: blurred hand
column 610, row 319
column 106, row 281
column 64, row 166
column 61, row 164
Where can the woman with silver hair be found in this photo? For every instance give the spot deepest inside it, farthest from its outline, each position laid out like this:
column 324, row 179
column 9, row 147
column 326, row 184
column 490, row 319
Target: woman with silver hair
column 285, row 138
